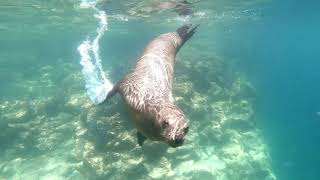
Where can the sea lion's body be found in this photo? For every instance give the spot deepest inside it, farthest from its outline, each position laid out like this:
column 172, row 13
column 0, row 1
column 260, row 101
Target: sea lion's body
column 150, row 83
column 147, row 90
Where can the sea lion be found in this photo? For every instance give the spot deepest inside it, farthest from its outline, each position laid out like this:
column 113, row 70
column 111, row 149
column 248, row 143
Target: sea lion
column 145, row 9
column 147, row 90
column 182, row 8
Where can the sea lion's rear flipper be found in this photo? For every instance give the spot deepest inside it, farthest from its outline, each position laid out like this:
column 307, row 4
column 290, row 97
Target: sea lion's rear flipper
column 141, row 138
column 185, row 2
column 186, row 31
column 184, row 11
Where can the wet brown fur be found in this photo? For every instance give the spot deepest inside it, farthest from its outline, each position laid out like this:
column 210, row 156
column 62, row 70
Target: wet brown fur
column 147, row 90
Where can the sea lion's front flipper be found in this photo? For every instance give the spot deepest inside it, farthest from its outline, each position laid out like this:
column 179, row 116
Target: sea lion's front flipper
column 141, row 138
column 112, row 92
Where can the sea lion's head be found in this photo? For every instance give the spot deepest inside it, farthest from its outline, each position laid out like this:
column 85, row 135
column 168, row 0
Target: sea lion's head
column 174, row 125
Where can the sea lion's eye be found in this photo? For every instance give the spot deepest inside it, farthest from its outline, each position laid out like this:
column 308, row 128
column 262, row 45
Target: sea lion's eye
column 165, row 124
column 186, row 129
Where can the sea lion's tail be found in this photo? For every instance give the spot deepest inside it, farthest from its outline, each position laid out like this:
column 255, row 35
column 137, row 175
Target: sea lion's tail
column 186, row 31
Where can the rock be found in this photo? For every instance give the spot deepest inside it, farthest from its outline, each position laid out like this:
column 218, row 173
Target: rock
column 61, row 134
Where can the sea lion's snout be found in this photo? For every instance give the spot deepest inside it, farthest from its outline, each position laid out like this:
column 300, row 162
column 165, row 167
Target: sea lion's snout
column 179, row 140
column 179, row 137
column 177, row 143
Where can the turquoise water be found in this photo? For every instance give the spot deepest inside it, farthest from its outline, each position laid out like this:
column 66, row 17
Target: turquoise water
column 246, row 81
column 286, row 75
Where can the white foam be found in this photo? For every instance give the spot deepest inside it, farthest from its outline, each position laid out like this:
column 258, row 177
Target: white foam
column 87, row 4
column 97, row 84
